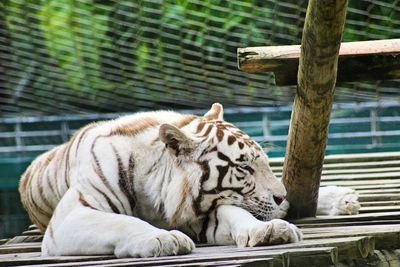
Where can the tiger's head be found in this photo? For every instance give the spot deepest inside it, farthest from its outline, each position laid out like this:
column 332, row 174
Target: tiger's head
column 225, row 166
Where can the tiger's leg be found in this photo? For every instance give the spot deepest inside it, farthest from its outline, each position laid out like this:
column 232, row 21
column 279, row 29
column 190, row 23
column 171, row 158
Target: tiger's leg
column 234, row 225
column 78, row 229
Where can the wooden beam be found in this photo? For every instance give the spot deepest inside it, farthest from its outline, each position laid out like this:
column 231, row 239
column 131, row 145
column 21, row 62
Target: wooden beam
column 358, row 61
column 312, row 105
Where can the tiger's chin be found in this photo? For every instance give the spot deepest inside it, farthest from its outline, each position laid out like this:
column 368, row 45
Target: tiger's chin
column 279, row 213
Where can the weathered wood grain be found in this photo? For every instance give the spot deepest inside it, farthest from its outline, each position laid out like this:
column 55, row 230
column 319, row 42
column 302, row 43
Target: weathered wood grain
column 365, row 60
column 379, row 209
column 365, row 176
column 274, row 58
column 20, row 248
column 25, row 239
column 316, row 79
column 352, row 183
column 32, row 232
column 379, row 191
column 338, row 160
column 335, row 172
column 380, row 203
column 386, row 236
column 281, row 257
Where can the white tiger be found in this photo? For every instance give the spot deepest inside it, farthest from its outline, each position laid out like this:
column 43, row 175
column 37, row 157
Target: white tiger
column 150, row 183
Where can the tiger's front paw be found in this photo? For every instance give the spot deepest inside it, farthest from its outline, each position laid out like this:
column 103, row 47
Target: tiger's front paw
column 164, row 243
column 268, row 233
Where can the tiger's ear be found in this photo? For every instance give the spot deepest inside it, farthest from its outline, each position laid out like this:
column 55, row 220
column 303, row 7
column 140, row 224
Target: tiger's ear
column 215, row 113
column 175, row 140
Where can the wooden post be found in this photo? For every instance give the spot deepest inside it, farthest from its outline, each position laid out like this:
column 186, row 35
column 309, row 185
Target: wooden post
column 312, row 105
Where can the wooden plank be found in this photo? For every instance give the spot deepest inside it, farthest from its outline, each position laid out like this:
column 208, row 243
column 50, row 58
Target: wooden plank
column 20, row 248
column 365, row 60
column 323, row 255
column 351, row 183
column 28, row 255
column 350, row 218
column 362, row 174
column 360, row 246
column 362, row 165
column 32, row 232
column 389, row 175
column 329, row 257
column 344, row 223
column 378, row 197
column 25, row 239
column 378, row 209
column 366, row 158
column 264, row 262
column 348, row 247
column 360, row 171
column 195, row 259
column 386, row 236
column 376, row 186
column 380, row 203
column 379, row 191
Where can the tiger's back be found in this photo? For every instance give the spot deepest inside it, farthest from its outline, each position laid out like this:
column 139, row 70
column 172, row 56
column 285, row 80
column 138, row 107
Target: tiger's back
column 51, row 174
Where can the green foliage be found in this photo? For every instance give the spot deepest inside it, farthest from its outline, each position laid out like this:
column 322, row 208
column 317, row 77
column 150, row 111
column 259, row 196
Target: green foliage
column 160, row 51
column 74, row 33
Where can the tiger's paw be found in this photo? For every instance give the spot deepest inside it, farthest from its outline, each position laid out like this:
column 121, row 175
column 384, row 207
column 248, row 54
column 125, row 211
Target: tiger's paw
column 268, row 233
column 164, row 243
column 335, row 200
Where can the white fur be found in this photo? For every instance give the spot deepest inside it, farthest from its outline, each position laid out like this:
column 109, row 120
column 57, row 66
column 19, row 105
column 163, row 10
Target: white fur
column 334, row 200
column 84, row 222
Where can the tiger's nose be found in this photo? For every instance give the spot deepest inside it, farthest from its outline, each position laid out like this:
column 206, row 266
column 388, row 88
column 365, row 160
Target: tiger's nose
column 278, row 199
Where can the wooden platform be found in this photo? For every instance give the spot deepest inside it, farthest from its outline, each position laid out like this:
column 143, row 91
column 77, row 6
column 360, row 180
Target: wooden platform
column 371, row 238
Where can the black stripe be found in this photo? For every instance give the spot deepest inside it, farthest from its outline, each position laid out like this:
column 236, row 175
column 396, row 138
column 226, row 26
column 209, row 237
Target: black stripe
column 214, row 191
column 207, row 151
column 54, row 187
column 203, row 233
column 202, row 237
column 204, row 177
column 50, row 185
column 223, row 157
column 84, row 202
column 126, row 179
column 110, row 203
column 222, row 170
column 216, row 223
column 39, row 186
column 99, row 172
column 38, row 208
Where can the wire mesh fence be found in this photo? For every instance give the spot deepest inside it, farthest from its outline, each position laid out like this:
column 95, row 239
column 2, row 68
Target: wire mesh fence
column 70, row 56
